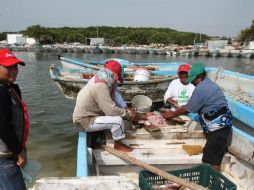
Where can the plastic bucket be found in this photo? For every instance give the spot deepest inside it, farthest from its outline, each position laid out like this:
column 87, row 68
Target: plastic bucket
column 142, row 75
column 141, row 103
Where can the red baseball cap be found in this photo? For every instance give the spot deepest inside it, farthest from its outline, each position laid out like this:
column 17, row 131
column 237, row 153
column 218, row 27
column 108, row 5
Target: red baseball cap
column 115, row 67
column 7, row 58
column 184, row 68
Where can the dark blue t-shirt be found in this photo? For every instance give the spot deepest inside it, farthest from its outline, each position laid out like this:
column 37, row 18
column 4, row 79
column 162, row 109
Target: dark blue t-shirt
column 207, row 96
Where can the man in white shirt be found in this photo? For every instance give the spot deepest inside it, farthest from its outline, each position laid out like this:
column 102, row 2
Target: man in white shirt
column 179, row 92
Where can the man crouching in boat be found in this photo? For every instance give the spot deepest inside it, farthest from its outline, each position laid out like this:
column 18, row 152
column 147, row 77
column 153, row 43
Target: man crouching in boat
column 96, row 108
column 210, row 103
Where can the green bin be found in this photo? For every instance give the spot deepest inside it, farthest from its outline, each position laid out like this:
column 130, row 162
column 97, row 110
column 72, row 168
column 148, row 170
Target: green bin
column 203, row 175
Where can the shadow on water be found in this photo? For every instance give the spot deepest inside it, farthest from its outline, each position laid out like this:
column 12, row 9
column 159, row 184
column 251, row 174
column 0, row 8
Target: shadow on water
column 52, row 139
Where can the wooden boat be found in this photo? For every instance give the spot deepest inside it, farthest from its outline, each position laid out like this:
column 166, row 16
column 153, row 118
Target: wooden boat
column 162, row 68
column 238, row 88
column 70, row 81
column 165, row 151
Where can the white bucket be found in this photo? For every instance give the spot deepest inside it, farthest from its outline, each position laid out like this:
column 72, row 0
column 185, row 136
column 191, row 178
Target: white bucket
column 141, row 103
column 142, row 75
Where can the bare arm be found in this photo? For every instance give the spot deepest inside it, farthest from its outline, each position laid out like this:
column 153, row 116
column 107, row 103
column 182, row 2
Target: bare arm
column 177, row 112
column 173, row 102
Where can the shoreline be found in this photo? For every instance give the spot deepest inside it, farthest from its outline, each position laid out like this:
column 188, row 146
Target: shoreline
column 139, row 50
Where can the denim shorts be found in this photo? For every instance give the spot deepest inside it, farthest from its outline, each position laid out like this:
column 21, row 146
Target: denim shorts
column 11, row 177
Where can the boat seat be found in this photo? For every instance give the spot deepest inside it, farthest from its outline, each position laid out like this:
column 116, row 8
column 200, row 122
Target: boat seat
column 156, row 152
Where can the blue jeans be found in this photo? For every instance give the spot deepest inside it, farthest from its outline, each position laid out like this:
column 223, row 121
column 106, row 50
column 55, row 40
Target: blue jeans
column 11, row 177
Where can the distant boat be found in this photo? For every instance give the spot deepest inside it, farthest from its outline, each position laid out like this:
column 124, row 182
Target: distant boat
column 185, row 52
column 161, row 51
column 248, row 53
column 107, row 50
column 152, row 51
column 225, row 52
column 142, row 51
column 203, row 52
column 95, row 50
column 131, row 50
column 215, row 53
column 235, row 53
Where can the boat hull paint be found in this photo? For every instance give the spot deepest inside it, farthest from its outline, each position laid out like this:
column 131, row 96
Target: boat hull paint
column 243, row 85
column 154, row 90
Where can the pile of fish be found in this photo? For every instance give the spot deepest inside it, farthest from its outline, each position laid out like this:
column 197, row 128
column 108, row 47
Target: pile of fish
column 154, row 121
column 169, row 186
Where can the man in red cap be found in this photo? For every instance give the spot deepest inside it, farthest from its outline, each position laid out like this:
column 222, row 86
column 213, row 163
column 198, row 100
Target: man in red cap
column 13, row 124
column 96, row 107
column 115, row 67
column 179, row 92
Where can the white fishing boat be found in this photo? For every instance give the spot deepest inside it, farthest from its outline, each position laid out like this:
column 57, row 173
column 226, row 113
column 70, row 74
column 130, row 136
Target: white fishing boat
column 185, row 52
column 225, row 52
column 214, row 53
column 235, row 53
column 203, row 52
column 247, row 53
column 161, row 51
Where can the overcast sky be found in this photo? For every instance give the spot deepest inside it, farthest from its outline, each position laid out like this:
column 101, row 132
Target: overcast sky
column 213, row 17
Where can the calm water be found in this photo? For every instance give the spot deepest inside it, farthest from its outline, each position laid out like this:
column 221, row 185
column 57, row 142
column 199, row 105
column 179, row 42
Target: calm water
column 52, row 139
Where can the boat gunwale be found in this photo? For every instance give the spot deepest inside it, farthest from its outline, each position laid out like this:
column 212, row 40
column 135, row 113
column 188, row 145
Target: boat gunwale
column 56, row 77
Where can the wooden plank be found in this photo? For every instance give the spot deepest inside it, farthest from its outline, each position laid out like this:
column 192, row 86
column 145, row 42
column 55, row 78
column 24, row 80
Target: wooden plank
column 153, row 169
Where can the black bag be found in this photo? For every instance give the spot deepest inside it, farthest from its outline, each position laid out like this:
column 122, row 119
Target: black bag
column 214, row 114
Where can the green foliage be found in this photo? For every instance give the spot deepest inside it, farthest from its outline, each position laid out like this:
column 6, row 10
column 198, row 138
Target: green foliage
column 247, row 34
column 120, row 35
column 3, row 36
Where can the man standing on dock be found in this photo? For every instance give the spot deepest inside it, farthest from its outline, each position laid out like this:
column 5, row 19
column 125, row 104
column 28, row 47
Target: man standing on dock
column 14, row 124
column 208, row 100
column 96, row 108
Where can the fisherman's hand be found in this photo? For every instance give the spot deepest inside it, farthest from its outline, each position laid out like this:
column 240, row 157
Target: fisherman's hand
column 21, row 159
column 173, row 102
column 134, row 115
column 144, row 116
column 168, row 114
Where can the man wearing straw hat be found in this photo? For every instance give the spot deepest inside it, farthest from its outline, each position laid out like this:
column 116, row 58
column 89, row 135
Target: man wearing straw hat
column 208, row 100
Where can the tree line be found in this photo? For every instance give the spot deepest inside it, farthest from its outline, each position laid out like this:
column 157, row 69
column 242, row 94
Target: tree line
column 120, row 35
column 247, row 34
